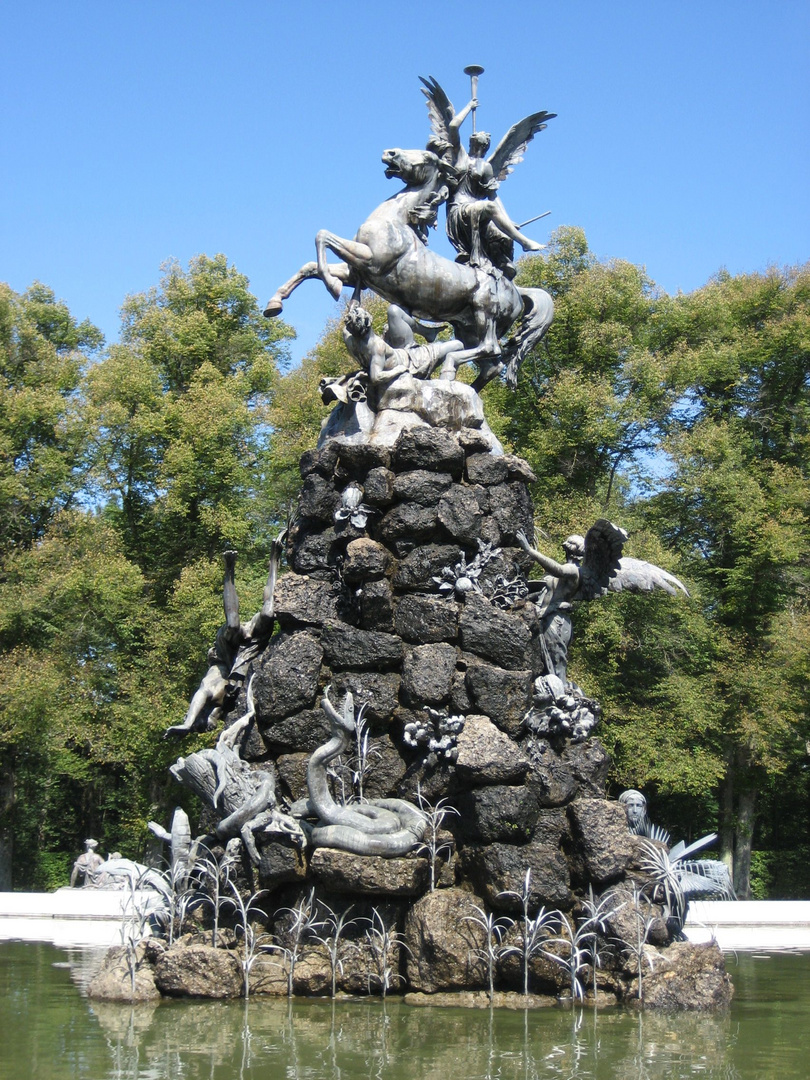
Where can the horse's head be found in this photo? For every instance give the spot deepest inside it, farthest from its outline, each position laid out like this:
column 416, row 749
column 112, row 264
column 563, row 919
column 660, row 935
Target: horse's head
column 415, row 168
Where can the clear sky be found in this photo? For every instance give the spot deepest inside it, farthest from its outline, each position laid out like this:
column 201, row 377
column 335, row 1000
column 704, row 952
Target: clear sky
column 134, row 132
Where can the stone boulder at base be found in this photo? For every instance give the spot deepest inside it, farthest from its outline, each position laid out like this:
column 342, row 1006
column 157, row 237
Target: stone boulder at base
column 443, row 942
column 198, row 971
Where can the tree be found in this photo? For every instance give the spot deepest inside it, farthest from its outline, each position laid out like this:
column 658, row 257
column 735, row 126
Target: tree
column 181, row 408
column 736, row 504
column 42, row 434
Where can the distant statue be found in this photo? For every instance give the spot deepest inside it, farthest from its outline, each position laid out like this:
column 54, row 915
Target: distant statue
column 237, row 644
column 86, row 866
column 594, row 566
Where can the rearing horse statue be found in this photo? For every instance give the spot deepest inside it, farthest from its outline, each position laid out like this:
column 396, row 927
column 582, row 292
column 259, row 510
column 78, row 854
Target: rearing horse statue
column 389, row 256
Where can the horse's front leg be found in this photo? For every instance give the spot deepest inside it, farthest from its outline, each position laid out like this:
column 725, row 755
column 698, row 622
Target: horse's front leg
column 358, row 256
column 307, row 271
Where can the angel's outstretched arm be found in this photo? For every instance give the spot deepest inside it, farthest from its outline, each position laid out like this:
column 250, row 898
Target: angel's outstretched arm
column 551, row 566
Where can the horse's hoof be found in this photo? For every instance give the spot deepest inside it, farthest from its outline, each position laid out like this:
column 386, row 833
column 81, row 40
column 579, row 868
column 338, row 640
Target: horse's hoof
column 274, row 307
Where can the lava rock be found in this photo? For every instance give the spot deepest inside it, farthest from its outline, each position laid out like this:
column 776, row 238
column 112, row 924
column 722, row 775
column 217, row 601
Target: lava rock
column 369, row 875
column 487, row 469
column 487, row 756
column 426, row 619
column 512, row 509
column 198, row 971
column 292, row 775
column 281, row 862
column 345, row 646
column 303, row 732
column 551, row 774
column 427, row 674
column 421, row 486
column 355, row 460
column 460, row 514
column 378, row 691
column 602, row 840
column 410, row 522
column 503, row 696
column 428, row 448
column 376, row 606
column 365, row 560
column 286, row 676
column 316, row 553
column 301, row 599
column 493, row 634
column 318, row 498
column 444, row 943
column 498, row 869
column 506, row 813
column 418, row 569
column 378, row 487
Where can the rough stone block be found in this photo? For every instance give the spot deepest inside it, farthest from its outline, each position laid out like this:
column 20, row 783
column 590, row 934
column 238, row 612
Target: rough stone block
column 418, row 569
column 303, row 599
column 387, row 769
column 503, row 696
column 512, row 509
column 460, row 514
column 378, row 691
column 355, row 460
column 687, row 976
column 378, row 487
column 487, row 756
column 427, row 674
column 428, row 448
column 346, row 646
column 444, row 943
column 376, row 606
column 302, row 733
column 408, row 521
column 519, row 469
column 315, row 552
column 324, row 460
column 365, row 560
column 495, row 635
column 497, row 869
column 281, row 863
column 497, row 813
column 318, row 498
column 603, row 843
column 427, row 619
column 422, row 486
column 292, row 775
column 487, row 469
column 551, row 774
column 286, row 676
column 198, row 971
column 369, row 875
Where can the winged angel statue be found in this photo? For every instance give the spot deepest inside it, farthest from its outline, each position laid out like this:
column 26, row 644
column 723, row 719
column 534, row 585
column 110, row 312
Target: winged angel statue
column 478, row 225
column 594, row 566
column 390, row 256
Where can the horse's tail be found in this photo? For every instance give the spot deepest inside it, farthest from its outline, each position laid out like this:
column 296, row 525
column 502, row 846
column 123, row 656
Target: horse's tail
column 538, row 314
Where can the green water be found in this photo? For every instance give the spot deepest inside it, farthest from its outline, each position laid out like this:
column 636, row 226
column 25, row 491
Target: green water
column 49, row 1031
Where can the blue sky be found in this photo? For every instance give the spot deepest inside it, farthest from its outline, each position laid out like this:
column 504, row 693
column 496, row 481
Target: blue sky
column 131, row 133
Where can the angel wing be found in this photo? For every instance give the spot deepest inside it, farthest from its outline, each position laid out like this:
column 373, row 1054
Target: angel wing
column 510, row 150
column 440, row 109
column 605, row 570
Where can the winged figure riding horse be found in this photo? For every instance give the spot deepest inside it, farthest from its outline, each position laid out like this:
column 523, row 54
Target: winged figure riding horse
column 476, row 294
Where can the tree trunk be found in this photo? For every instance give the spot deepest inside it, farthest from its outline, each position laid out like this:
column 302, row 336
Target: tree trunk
column 742, row 847
column 6, row 827
column 727, row 814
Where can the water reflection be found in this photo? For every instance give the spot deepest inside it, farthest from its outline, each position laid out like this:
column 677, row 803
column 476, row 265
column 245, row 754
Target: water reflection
column 48, row 1030
column 367, row 1039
